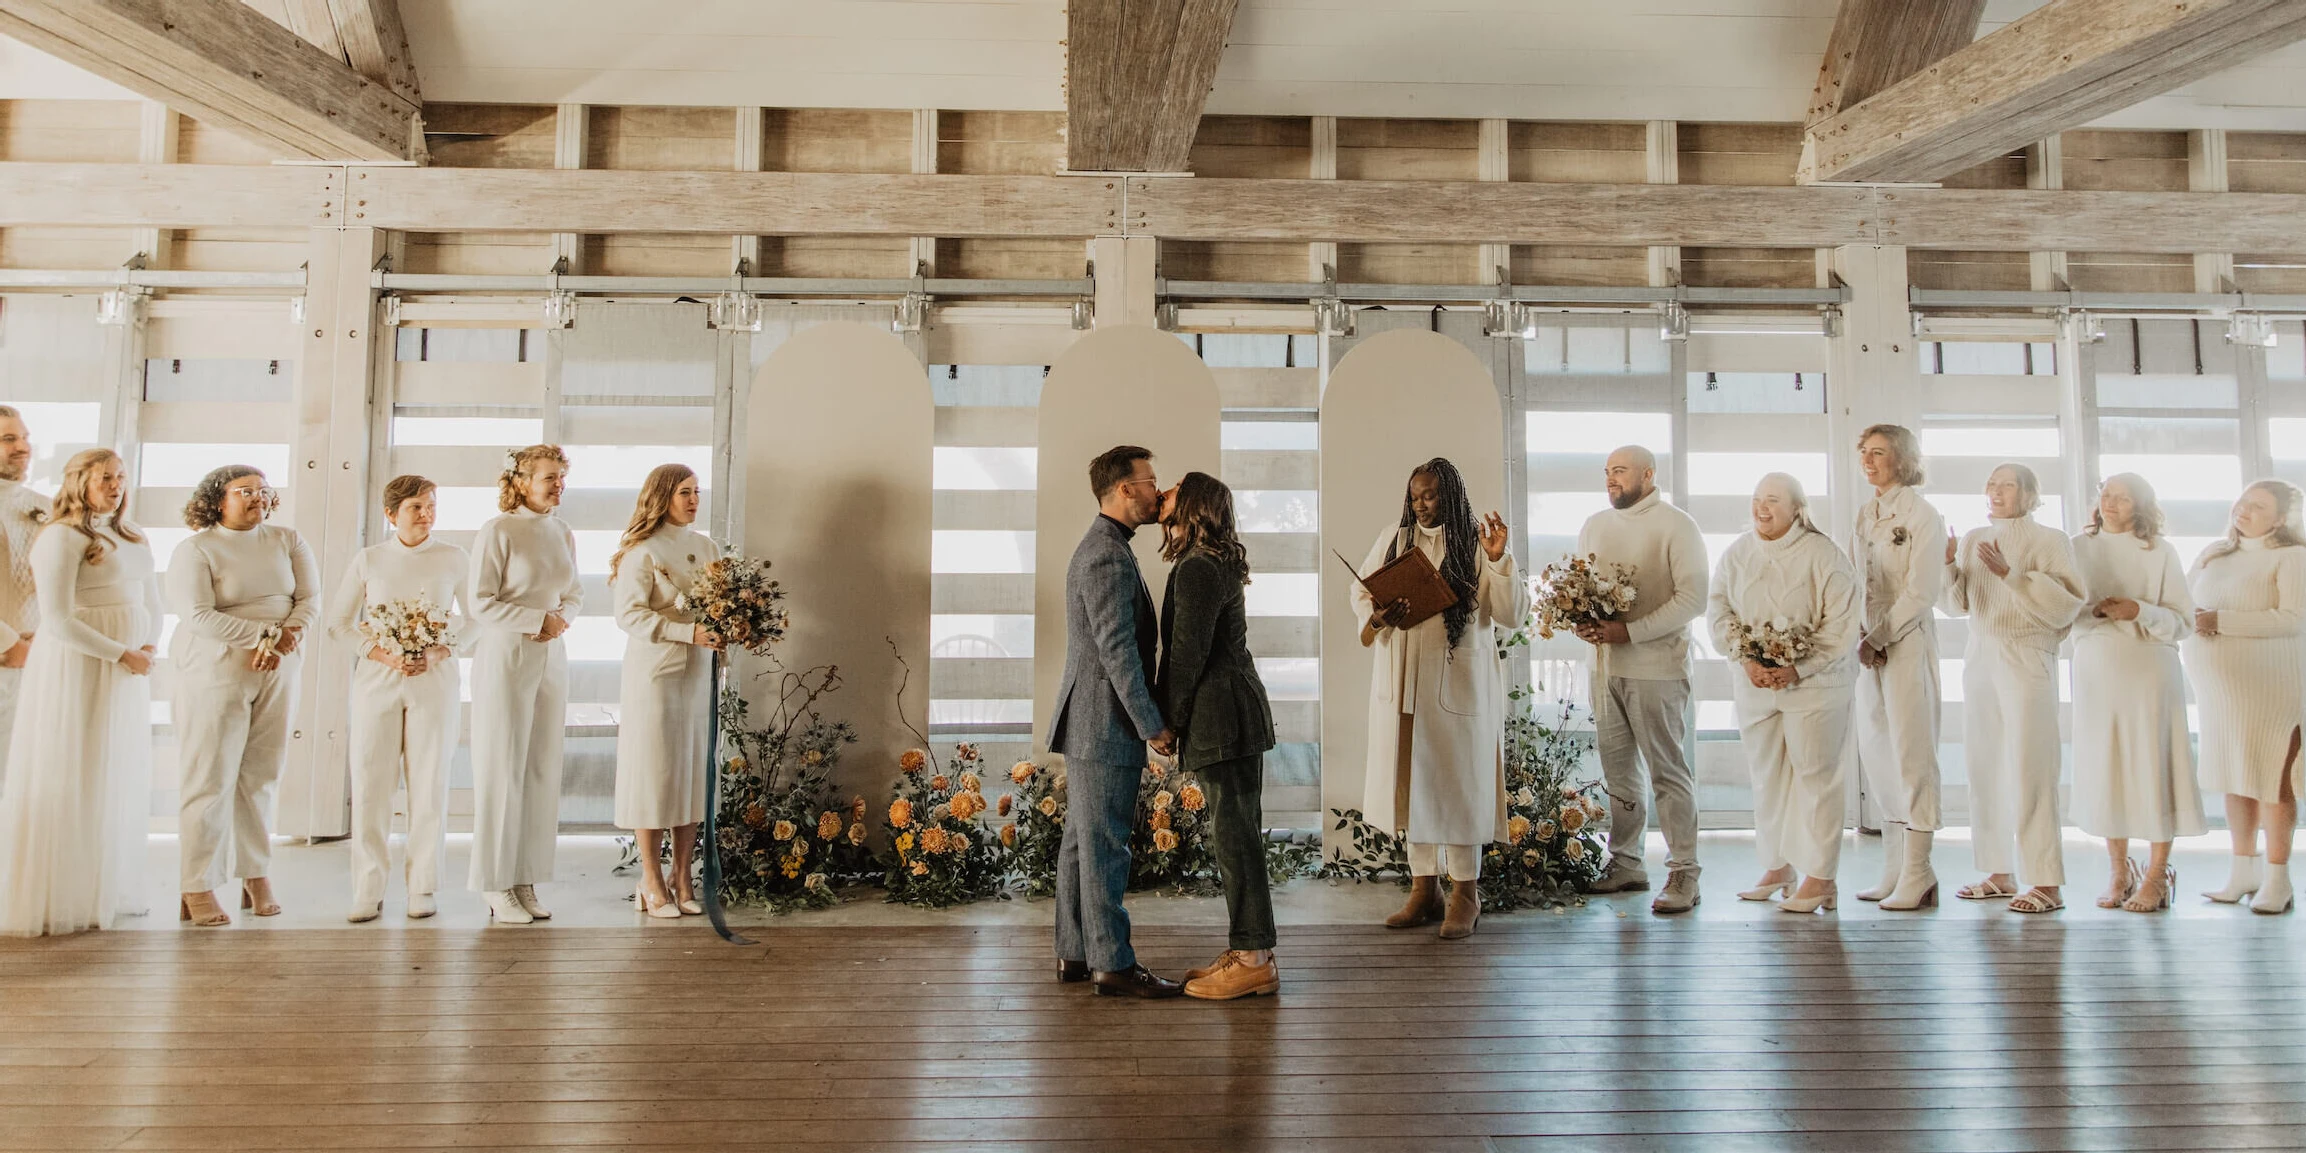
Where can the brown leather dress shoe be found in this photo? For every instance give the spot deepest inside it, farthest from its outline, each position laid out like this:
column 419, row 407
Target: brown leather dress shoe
column 1137, row 981
column 1223, row 959
column 1239, row 979
column 1072, row 972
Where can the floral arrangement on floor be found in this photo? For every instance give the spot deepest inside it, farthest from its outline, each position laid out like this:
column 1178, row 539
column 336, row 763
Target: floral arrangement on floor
column 1776, row 643
column 1553, row 852
column 410, row 627
column 734, row 597
column 1036, row 829
column 785, row 836
column 941, row 853
column 1578, row 591
column 1169, row 845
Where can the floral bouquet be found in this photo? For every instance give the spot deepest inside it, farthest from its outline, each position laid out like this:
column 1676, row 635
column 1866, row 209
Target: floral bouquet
column 1553, row 850
column 411, row 626
column 735, row 598
column 783, row 837
column 941, row 854
column 1577, row 591
column 1169, row 847
column 1776, row 643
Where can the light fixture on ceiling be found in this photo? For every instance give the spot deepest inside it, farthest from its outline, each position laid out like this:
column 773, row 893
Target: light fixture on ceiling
column 1672, row 321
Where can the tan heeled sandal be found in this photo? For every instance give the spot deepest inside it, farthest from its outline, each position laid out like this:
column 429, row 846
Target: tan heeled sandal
column 202, row 910
column 256, row 897
column 2124, row 886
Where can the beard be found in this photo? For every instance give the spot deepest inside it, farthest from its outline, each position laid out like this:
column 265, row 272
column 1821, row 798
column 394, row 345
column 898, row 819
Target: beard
column 10, row 470
column 1627, row 498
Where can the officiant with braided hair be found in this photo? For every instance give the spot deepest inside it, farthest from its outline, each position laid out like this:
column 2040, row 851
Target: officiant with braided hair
column 1437, row 698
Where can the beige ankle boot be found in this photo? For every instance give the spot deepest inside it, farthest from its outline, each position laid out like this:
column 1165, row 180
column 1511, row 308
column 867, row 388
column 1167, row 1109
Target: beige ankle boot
column 1423, row 907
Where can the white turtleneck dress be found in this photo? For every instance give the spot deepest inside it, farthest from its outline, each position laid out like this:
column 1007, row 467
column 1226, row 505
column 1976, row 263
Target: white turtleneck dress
column 22, row 512
column 399, row 720
column 2133, row 759
column 523, row 567
column 73, row 814
column 1900, row 549
column 2248, row 678
column 1793, row 737
column 229, row 586
column 666, row 683
column 2010, row 692
column 1437, row 715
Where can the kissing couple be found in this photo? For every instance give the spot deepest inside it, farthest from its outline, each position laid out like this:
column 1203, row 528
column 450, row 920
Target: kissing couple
column 1182, row 683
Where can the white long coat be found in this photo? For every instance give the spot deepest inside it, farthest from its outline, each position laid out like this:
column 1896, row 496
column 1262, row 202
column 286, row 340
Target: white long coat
column 666, row 683
column 1457, row 774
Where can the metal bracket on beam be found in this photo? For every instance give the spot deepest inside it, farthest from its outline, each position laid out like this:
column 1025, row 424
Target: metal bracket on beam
column 1672, row 321
column 912, row 312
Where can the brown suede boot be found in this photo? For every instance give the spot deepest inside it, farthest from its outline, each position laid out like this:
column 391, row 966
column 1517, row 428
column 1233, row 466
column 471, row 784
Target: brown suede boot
column 1464, row 910
column 1423, row 907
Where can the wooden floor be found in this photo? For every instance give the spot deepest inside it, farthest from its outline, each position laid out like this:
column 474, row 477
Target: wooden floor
column 1589, row 1032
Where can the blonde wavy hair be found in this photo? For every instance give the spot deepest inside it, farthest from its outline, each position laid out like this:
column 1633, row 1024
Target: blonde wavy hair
column 512, row 483
column 73, row 508
column 2288, row 500
column 653, row 510
column 1904, row 445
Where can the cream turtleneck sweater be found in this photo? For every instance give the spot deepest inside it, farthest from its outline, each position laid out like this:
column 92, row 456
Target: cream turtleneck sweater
column 2036, row 603
column 229, row 585
column 1667, row 554
column 1799, row 579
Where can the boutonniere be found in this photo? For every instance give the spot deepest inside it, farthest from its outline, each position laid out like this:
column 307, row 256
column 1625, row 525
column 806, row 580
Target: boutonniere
column 1898, row 536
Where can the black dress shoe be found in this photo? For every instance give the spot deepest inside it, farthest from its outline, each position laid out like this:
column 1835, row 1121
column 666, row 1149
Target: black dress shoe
column 1137, row 981
column 1072, row 972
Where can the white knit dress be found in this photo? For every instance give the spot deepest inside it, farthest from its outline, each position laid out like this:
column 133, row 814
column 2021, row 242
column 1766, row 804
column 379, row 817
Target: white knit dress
column 2250, row 679
column 2133, row 760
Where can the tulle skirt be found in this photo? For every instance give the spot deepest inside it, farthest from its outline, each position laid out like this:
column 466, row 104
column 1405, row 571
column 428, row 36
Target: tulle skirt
column 74, row 811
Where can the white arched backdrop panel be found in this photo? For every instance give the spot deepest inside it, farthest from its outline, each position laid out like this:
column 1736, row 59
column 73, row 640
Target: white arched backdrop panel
column 1395, row 401
column 1125, row 385
column 838, row 458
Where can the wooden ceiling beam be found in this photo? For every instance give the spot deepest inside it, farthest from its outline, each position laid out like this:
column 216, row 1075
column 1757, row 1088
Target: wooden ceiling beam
column 2058, row 67
column 376, row 44
column 1137, row 73
column 1415, row 211
column 228, row 66
column 1876, row 43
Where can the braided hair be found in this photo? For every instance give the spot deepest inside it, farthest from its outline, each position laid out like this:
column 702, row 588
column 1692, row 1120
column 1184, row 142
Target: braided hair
column 1460, row 538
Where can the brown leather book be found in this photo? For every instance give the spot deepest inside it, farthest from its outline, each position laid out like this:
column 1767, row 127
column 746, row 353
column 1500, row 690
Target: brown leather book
column 1408, row 577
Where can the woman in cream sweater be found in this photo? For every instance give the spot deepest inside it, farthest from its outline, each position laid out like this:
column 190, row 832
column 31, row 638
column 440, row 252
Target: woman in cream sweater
column 666, row 685
column 2017, row 582
column 2250, row 613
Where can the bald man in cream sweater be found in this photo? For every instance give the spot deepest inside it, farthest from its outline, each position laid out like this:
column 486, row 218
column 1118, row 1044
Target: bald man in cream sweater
column 1641, row 677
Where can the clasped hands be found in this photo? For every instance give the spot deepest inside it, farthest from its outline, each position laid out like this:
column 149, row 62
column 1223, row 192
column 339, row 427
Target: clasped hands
column 405, row 665
column 266, row 660
column 1764, row 677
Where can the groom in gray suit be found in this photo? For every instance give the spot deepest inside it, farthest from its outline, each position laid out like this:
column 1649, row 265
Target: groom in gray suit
column 1105, row 717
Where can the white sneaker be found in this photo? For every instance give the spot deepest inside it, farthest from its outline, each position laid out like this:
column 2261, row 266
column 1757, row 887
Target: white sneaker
column 505, row 908
column 421, row 905
column 526, row 895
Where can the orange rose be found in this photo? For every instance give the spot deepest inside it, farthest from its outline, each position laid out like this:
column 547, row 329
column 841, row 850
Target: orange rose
column 1164, row 840
column 1021, row 772
column 1572, row 817
column 900, row 813
column 1009, row 836
column 920, row 868
column 857, row 807
column 857, row 833
column 1007, row 800
column 913, row 761
column 756, row 816
column 1158, row 772
column 1575, row 850
column 783, row 831
column 1162, row 800
column 1048, row 806
column 1191, row 796
column 828, row 825
column 933, row 839
column 1516, row 828
column 1161, row 819
column 970, row 782
column 940, row 782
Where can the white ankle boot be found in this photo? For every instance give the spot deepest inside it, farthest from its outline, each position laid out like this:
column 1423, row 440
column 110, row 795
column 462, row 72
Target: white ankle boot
column 504, row 908
column 2274, row 892
column 1917, row 880
column 1894, row 837
column 2240, row 882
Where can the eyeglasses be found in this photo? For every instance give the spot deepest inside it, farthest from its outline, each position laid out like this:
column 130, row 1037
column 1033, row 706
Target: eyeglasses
column 1142, row 480
column 265, row 495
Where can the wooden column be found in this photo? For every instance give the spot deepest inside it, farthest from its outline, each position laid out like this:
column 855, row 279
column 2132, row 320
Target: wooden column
column 571, row 124
column 1664, row 167
column 1873, row 373
column 1124, row 267
column 1321, row 255
column 923, row 260
column 2046, row 171
column 328, row 500
column 748, row 251
column 1495, row 160
column 156, row 143
column 2206, row 172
